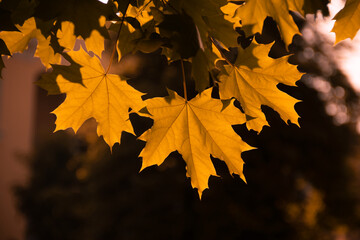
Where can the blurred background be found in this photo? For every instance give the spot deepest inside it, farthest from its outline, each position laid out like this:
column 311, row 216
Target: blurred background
column 303, row 183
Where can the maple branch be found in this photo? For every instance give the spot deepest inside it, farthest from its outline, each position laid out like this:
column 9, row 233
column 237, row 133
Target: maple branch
column 117, row 38
column 184, row 79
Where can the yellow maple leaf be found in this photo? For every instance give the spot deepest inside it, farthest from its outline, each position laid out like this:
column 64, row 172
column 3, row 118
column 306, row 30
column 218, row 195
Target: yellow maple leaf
column 102, row 96
column 347, row 21
column 253, row 81
column 67, row 38
column 17, row 41
column 196, row 129
column 254, row 12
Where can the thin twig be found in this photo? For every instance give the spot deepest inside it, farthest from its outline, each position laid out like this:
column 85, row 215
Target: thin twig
column 117, row 38
column 184, row 79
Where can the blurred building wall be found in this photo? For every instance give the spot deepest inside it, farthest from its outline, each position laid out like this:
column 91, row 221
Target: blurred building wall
column 17, row 102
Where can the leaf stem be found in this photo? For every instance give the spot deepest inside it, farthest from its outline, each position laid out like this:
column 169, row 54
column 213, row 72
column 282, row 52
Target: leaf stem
column 117, row 38
column 167, row 3
column 221, row 51
column 184, row 79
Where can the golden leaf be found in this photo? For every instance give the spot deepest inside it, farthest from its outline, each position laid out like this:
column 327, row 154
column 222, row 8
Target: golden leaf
column 17, row 41
column 254, row 12
column 67, row 38
column 105, row 97
column 347, row 21
column 253, row 81
column 196, row 129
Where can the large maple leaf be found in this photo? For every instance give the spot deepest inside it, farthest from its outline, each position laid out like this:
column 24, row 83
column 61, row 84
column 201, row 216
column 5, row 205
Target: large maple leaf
column 196, row 129
column 254, row 12
column 105, row 97
column 347, row 21
column 17, row 41
column 253, row 81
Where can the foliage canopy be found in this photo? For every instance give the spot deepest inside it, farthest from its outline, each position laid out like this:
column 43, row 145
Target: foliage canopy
column 232, row 82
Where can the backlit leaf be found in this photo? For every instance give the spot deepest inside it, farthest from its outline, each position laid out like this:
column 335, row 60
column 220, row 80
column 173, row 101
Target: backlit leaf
column 67, row 39
column 196, row 129
column 253, row 81
column 254, row 12
column 105, row 97
column 347, row 21
column 17, row 41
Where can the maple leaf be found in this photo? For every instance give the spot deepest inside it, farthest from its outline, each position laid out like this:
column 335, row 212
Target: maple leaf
column 84, row 14
column 17, row 41
column 253, row 81
column 67, row 38
column 347, row 21
column 254, row 12
column 105, row 97
column 196, row 129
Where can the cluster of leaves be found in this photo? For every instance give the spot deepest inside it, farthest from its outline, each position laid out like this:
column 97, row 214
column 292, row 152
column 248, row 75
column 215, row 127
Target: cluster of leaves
column 232, row 82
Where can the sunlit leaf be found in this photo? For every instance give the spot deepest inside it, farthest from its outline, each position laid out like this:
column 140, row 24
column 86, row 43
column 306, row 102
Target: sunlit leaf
column 105, row 97
column 347, row 21
column 253, row 81
column 196, row 129
column 17, row 41
column 254, row 12
column 67, row 39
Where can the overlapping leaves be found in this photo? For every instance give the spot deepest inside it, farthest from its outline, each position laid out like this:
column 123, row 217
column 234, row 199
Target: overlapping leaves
column 17, row 41
column 200, row 32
